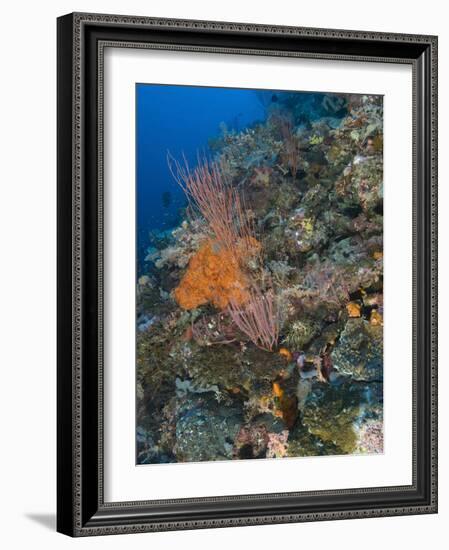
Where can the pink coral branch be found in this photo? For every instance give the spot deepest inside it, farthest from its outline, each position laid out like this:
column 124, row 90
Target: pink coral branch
column 258, row 318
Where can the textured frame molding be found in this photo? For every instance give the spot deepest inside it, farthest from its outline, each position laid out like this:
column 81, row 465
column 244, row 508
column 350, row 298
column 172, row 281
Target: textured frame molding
column 81, row 41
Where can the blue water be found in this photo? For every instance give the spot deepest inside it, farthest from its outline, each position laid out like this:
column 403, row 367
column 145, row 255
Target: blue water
column 181, row 120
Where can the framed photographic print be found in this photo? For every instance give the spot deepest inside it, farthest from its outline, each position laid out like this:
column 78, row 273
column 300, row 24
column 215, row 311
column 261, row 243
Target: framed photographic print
column 246, row 274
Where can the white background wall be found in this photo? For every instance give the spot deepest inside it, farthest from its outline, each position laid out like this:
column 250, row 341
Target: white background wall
column 27, row 273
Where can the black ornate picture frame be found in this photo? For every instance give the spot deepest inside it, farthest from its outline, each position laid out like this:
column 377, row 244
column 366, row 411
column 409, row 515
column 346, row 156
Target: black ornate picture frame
column 81, row 507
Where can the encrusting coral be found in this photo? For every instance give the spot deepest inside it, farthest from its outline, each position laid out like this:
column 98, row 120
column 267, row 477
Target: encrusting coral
column 259, row 318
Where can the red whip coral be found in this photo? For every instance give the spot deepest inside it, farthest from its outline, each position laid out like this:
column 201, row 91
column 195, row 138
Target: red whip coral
column 213, row 276
column 218, row 202
column 258, row 318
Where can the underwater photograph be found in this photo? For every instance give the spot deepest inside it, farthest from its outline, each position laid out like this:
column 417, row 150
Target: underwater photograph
column 259, row 274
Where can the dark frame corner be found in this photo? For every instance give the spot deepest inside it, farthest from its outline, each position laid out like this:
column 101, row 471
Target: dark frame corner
column 81, row 510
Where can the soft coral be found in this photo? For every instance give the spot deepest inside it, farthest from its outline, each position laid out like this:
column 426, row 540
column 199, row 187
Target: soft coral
column 213, row 276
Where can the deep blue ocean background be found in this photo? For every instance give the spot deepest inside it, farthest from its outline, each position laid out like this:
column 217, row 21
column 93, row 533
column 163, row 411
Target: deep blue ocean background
column 181, row 120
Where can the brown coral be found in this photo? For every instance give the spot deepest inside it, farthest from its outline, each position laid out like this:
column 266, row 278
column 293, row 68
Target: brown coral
column 213, row 276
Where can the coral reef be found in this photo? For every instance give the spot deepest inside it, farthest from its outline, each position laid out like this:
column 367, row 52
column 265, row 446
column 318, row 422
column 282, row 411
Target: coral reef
column 359, row 351
column 260, row 316
column 205, row 430
column 330, row 413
